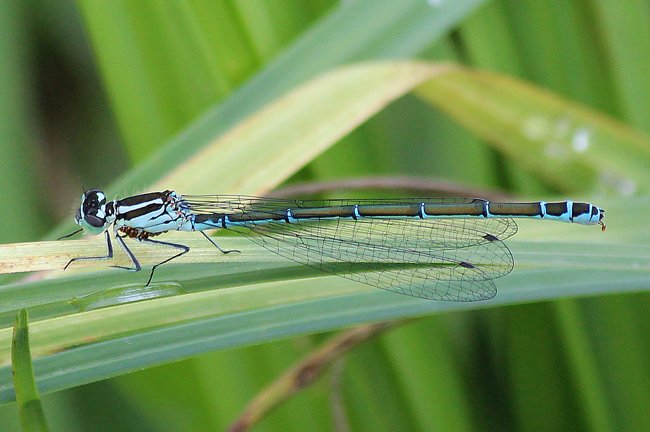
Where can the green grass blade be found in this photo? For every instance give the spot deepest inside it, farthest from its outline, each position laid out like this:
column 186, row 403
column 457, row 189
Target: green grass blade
column 30, row 408
column 168, row 328
column 345, row 35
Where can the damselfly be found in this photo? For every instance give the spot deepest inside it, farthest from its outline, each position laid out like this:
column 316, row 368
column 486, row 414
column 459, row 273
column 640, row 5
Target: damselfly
column 432, row 248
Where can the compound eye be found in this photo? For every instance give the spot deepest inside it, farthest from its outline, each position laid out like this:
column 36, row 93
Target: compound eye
column 93, row 200
column 91, row 216
column 94, row 221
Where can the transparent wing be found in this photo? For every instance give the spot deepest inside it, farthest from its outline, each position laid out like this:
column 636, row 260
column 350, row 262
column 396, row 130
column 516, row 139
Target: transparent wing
column 452, row 259
column 374, row 252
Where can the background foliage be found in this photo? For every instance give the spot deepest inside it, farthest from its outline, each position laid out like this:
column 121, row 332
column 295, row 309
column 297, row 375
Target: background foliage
column 120, row 94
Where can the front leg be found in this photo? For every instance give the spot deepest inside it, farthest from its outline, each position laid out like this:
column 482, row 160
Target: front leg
column 107, row 257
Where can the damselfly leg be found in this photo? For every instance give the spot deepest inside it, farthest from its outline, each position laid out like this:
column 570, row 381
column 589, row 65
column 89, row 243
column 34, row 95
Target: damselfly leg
column 107, row 257
column 144, row 239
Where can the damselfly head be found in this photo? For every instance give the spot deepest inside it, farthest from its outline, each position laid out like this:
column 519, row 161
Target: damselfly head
column 92, row 216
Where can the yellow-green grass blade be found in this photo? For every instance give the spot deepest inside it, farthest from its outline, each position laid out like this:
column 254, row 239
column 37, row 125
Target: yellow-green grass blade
column 567, row 144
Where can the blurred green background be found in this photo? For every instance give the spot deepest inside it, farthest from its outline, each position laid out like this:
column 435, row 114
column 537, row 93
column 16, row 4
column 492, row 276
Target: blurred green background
column 94, row 92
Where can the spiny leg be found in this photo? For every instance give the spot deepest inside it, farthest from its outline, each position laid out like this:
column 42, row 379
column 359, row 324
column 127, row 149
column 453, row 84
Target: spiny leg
column 107, row 257
column 217, row 246
column 136, row 264
column 184, row 250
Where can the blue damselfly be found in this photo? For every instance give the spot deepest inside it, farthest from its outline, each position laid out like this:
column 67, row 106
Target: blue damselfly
column 432, row 248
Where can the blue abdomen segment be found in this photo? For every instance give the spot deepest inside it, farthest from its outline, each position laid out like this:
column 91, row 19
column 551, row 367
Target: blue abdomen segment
column 565, row 211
